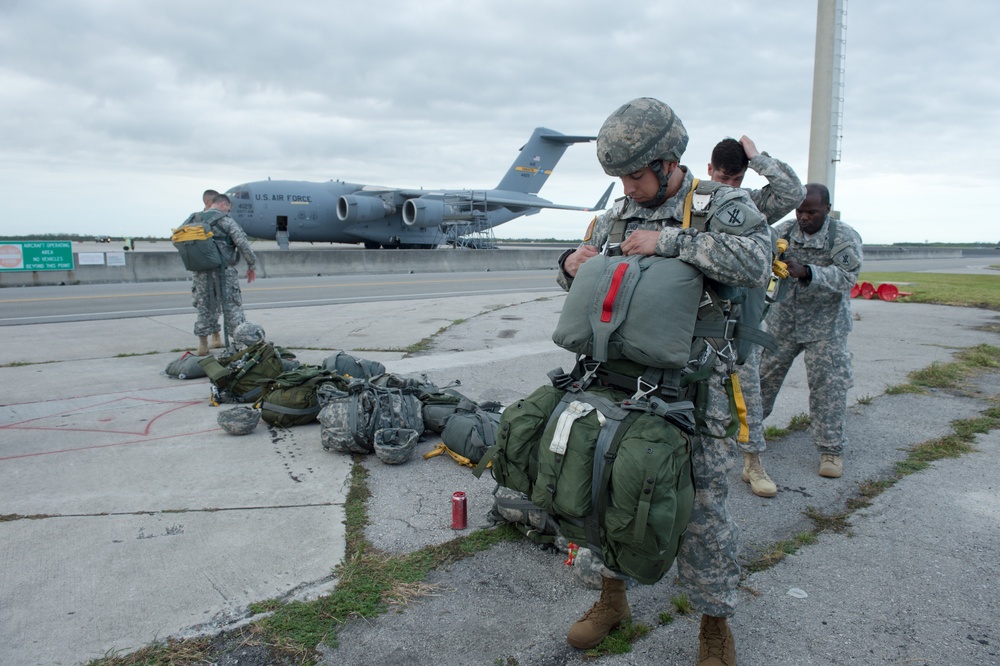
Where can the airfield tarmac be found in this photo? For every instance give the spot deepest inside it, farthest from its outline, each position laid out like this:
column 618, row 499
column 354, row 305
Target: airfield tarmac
column 132, row 517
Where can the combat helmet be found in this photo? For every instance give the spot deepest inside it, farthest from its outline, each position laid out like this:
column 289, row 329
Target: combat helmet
column 640, row 132
column 248, row 334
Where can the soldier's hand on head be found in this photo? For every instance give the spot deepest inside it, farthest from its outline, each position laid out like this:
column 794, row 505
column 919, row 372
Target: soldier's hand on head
column 641, row 241
column 749, row 147
column 576, row 259
column 251, row 275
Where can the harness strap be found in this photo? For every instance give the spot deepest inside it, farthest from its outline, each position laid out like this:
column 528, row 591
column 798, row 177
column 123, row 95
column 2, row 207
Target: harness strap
column 731, row 329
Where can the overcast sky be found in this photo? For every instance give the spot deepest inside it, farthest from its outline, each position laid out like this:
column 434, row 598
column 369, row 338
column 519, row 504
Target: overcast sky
column 116, row 114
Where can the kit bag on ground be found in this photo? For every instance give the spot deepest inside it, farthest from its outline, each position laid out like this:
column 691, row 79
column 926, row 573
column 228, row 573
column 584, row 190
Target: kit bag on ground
column 291, row 398
column 471, row 430
column 195, row 240
column 614, row 472
column 185, row 367
column 240, row 377
column 346, row 365
column 351, row 415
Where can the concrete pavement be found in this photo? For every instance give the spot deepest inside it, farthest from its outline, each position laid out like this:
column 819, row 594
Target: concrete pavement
column 132, row 517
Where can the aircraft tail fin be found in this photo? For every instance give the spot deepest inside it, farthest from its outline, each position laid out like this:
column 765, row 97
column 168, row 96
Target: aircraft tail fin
column 537, row 159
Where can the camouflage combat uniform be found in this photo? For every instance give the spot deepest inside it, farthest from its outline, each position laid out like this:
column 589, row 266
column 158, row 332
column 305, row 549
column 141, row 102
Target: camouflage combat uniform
column 232, row 242
column 783, row 192
column 707, row 558
column 815, row 318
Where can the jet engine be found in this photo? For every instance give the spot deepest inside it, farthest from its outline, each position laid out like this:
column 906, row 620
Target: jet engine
column 352, row 208
column 424, row 212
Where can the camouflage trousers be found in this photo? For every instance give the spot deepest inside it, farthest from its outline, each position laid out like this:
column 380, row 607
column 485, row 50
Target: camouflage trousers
column 210, row 304
column 828, row 371
column 749, row 374
column 706, row 563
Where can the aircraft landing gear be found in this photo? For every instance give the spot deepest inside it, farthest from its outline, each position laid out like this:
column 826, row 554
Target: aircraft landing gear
column 372, row 245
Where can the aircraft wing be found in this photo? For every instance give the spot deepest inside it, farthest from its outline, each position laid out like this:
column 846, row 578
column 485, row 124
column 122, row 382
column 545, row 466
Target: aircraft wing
column 512, row 200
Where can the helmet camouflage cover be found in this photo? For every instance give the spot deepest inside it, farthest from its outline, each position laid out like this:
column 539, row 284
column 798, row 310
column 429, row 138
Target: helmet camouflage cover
column 638, row 133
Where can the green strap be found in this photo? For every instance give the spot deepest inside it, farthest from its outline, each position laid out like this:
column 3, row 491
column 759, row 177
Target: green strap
column 645, row 500
column 735, row 331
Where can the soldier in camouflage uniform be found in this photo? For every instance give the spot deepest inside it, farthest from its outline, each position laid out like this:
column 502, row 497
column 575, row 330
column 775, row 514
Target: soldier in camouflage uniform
column 815, row 318
column 783, row 192
column 642, row 143
column 233, row 243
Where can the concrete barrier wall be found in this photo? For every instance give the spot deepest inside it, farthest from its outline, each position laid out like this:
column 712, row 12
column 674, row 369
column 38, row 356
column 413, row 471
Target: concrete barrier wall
column 162, row 266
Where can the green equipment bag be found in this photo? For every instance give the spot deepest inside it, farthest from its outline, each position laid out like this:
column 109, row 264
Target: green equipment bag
column 471, row 430
column 346, row 365
column 665, row 292
column 615, row 472
column 240, row 377
column 291, row 398
column 440, row 404
column 185, row 367
column 196, row 243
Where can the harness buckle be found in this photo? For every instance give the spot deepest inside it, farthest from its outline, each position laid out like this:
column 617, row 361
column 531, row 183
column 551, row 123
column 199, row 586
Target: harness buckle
column 729, row 330
column 643, row 388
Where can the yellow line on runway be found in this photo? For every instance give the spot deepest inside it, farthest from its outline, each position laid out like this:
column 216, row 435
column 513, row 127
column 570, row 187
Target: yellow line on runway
column 248, row 289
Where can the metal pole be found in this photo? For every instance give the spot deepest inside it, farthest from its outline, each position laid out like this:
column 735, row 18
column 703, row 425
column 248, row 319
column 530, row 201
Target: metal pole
column 828, row 93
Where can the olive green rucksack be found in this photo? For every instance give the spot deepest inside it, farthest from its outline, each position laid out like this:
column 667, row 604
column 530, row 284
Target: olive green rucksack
column 613, row 471
column 240, row 377
column 291, row 398
column 195, row 240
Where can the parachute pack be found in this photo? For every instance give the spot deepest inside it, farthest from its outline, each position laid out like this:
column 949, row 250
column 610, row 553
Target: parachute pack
column 195, row 240
column 615, row 473
column 292, row 397
column 240, row 377
column 605, row 449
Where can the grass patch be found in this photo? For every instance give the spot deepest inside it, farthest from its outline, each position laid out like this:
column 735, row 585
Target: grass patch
column 797, row 422
column 620, row 640
column 20, row 364
column 952, row 375
column 976, row 291
column 780, row 551
column 682, row 604
column 128, row 355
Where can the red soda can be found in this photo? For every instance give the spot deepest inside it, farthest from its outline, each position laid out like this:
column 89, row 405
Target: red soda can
column 459, row 511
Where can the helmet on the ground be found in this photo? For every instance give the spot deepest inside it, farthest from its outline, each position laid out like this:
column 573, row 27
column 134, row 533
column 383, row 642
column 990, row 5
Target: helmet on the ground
column 393, row 446
column 239, row 420
column 248, row 334
column 639, row 133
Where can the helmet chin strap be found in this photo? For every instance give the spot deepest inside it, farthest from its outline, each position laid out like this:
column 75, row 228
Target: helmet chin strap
column 661, row 194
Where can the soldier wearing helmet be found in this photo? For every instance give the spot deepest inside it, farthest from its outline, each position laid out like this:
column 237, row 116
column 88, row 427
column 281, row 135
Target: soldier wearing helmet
column 642, row 143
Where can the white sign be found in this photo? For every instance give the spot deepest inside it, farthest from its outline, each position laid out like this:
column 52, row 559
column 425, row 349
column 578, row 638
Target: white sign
column 116, row 258
column 90, row 258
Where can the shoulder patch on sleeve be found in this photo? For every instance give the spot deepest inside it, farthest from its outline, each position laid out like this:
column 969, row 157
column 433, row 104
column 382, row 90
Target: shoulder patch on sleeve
column 590, row 230
column 845, row 257
column 735, row 217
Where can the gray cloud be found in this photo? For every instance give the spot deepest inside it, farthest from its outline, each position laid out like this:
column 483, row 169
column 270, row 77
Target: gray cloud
column 169, row 97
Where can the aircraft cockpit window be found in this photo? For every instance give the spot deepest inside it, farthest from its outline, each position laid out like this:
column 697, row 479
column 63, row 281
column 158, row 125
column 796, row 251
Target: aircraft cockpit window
column 238, row 194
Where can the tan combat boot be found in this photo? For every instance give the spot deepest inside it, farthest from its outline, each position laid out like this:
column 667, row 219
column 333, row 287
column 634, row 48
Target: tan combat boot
column 717, row 645
column 202, row 346
column 755, row 474
column 602, row 617
column 831, row 466
column 216, row 342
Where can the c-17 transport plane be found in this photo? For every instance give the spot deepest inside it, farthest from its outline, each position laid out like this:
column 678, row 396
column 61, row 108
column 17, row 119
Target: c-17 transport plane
column 384, row 217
